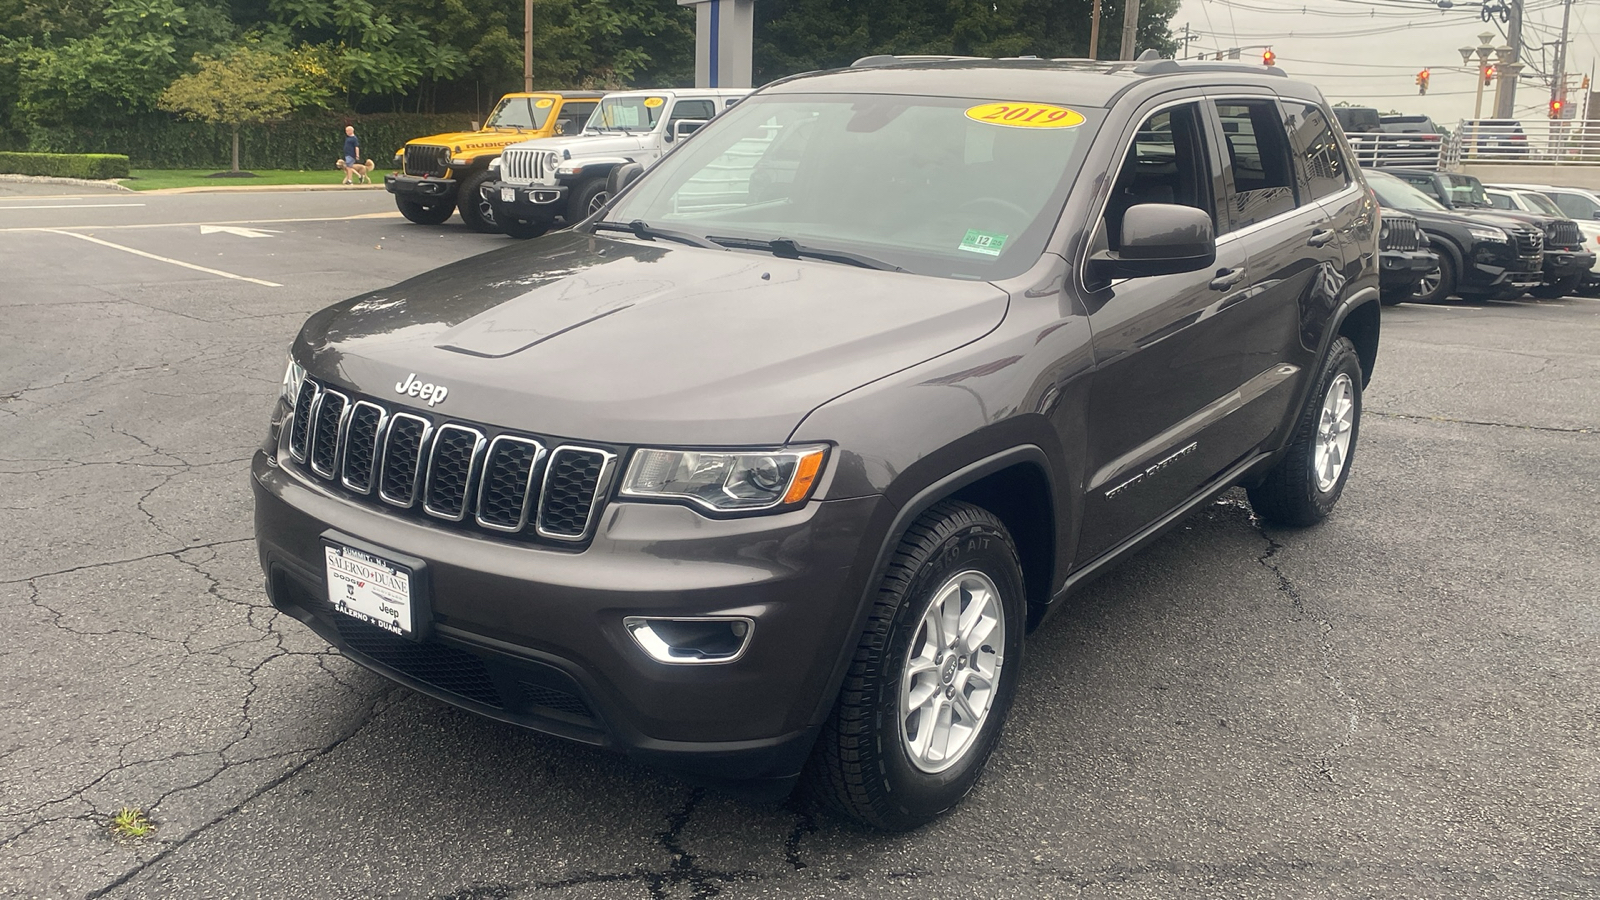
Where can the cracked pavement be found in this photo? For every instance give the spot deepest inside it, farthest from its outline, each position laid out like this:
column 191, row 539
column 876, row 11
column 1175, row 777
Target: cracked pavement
column 1399, row 702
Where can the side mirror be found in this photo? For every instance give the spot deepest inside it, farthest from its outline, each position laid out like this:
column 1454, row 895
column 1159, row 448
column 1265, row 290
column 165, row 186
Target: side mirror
column 622, row 176
column 1159, row 239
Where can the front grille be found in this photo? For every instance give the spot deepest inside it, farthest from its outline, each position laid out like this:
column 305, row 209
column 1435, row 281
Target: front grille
column 421, row 159
column 508, row 484
column 549, row 698
column 1528, row 240
column 441, row 666
column 1399, row 234
column 523, row 166
column 1563, row 233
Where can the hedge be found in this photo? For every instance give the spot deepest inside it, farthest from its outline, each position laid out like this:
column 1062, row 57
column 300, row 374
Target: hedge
column 97, row 166
column 303, row 142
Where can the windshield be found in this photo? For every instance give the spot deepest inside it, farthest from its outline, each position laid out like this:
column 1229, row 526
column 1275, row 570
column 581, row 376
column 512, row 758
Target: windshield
column 1541, row 203
column 1464, row 190
column 526, row 113
column 926, row 184
column 627, row 113
column 1396, row 194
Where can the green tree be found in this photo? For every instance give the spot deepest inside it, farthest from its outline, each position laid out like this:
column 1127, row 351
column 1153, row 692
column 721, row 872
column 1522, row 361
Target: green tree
column 249, row 86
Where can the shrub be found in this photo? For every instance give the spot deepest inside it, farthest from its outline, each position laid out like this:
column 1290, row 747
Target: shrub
column 95, row 166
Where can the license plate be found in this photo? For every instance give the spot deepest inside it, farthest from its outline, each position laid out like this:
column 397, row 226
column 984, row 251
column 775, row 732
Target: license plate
column 507, row 195
column 369, row 588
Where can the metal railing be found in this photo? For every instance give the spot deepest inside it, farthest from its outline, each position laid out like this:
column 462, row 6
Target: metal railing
column 1546, row 142
column 1414, row 151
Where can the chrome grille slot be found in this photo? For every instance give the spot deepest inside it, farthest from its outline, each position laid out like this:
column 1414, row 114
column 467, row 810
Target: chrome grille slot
column 452, row 466
column 573, row 481
column 328, row 421
column 300, row 422
column 424, row 160
column 507, row 488
column 402, row 452
column 362, row 433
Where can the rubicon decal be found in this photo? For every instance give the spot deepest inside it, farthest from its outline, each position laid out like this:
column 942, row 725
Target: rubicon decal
column 413, row 386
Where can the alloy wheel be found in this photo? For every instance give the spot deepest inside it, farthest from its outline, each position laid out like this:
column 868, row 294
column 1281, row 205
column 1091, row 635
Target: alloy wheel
column 1333, row 432
column 952, row 670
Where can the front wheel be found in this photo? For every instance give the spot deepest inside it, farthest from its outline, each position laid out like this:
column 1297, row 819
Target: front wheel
column 1561, row 287
column 477, row 212
column 934, row 672
column 1302, row 488
column 423, row 213
column 586, row 199
column 1437, row 283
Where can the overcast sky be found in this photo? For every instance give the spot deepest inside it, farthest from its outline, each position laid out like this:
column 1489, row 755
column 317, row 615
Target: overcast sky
column 1369, row 51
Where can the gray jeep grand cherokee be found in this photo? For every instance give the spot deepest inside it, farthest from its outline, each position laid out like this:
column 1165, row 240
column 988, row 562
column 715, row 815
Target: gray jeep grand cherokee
column 766, row 468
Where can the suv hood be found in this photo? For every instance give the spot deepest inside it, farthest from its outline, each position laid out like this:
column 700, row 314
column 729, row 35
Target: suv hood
column 474, row 141
column 589, row 338
column 1465, row 216
column 591, row 143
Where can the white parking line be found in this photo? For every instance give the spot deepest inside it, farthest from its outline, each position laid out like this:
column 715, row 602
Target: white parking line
column 176, row 262
column 72, row 206
column 246, row 222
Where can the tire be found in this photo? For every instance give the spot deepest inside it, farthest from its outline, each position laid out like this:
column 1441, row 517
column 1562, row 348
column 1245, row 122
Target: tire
column 1564, row 287
column 1438, row 284
column 1397, row 296
column 477, row 212
column 522, row 229
column 873, row 762
column 1300, row 489
column 585, row 198
column 424, row 213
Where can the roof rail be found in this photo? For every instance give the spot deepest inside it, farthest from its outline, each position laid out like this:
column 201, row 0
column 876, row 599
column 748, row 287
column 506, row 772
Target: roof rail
column 1173, row 67
column 1148, row 63
column 889, row 59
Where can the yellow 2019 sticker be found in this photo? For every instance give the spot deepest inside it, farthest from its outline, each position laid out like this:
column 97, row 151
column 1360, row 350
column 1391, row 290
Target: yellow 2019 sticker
column 653, row 102
column 546, row 103
column 1025, row 115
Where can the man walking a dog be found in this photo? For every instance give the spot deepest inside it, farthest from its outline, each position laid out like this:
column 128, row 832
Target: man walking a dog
column 352, row 150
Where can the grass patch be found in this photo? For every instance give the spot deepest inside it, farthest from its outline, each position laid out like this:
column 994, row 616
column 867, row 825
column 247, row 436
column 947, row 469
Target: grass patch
column 132, row 823
column 157, row 179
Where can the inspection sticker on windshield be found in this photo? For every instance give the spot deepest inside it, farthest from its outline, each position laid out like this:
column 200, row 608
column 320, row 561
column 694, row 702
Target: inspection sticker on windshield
column 546, row 103
column 986, row 242
column 1025, row 115
column 653, row 102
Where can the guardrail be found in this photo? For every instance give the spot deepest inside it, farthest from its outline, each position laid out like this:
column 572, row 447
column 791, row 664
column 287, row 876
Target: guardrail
column 1545, row 142
column 1415, row 151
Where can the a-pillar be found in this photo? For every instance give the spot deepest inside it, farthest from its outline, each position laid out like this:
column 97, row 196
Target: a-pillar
column 723, row 42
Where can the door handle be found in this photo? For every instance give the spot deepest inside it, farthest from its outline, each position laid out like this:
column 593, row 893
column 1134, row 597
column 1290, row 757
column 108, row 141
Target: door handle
column 1227, row 279
column 1320, row 238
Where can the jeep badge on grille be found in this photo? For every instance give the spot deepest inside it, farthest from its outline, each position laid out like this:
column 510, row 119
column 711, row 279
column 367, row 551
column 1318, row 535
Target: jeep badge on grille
column 412, row 387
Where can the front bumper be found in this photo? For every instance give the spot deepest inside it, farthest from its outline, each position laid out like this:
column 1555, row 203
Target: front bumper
column 419, row 187
column 534, row 202
column 535, row 636
column 1559, row 264
column 1403, row 268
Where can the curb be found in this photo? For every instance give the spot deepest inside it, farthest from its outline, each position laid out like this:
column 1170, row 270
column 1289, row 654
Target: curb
column 257, row 188
column 52, row 179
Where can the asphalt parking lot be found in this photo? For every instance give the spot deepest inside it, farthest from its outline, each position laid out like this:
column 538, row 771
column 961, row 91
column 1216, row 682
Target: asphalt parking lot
column 1400, row 702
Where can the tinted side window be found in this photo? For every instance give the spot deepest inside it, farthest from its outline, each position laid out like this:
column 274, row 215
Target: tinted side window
column 1576, row 206
column 1258, row 152
column 1323, row 165
column 1501, row 201
column 1166, row 163
column 693, row 109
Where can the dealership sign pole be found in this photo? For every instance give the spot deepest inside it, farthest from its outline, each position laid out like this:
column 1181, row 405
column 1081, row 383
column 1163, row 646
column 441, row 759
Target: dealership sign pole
column 723, row 37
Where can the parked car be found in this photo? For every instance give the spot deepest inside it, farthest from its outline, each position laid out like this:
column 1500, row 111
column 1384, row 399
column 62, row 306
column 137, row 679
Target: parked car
column 537, row 182
column 441, row 173
column 1533, row 201
column 1408, row 125
column 1409, row 141
column 1403, row 256
column 1376, row 145
column 1480, row 255
column 1358, row 119
column 1581, row 206
column 777, row 486
column 1567, row 259
column 1493, row 139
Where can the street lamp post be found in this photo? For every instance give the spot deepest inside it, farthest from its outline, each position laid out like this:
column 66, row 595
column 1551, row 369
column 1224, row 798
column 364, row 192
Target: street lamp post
column 1502, row 67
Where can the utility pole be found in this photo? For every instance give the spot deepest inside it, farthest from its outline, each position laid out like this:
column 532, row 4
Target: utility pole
column 1130, row 27
column 1558, row 78
column 1187, row 38
column 1094, row 31
column 1506, row 90
column 527, row 46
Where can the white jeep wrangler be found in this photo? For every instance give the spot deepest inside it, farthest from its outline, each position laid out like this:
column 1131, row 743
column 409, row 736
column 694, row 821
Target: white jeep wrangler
column 535, row 182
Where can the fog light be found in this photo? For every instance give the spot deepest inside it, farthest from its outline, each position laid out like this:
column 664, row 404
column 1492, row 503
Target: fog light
column 692, row 640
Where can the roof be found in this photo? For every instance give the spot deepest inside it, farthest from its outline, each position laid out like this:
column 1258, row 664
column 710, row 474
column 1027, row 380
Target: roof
column 1079, row 82
column 565, row 95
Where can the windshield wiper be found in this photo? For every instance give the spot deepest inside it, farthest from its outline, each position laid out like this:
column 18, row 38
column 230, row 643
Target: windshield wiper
column 787, row 248
column 639, row 229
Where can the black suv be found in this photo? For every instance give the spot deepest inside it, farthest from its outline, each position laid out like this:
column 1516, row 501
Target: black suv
column 775, row 484
column 1480, row 254
column 1566, row 259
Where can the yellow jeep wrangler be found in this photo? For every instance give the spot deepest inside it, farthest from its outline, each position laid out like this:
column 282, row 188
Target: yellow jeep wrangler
column 435, row 174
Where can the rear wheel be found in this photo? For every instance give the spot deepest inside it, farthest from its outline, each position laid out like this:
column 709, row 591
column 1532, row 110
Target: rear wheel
column 477, row 212
column 1437, row 283
column 933, row 676
column 585, row 199
column 1306, row 483
column 423, row 213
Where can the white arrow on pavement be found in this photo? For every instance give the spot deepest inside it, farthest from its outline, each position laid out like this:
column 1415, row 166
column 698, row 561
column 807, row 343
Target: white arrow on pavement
column 234, row 229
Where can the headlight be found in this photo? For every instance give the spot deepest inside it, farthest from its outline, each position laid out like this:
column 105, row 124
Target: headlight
column 400, row 154
column 551, row 159
column 725, row 480
column 459, row 161
column 292, row 377
column 1489, row 234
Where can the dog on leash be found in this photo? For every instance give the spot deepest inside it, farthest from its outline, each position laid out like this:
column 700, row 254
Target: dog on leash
column 360, row 172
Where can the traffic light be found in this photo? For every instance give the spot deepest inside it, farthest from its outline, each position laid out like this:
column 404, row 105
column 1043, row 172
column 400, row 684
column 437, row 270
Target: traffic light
column 1555, row 108
column 1488, row 75
column 1422, row 81
column 1268, row 58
